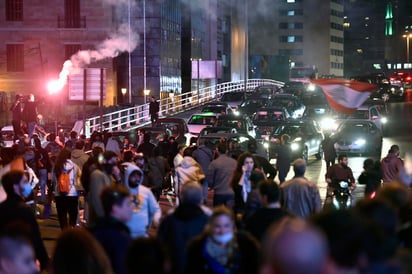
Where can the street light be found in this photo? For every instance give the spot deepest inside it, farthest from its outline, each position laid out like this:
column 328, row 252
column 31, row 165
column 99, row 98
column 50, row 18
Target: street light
column 124, row 91
column 407, row 36
column 146, row 93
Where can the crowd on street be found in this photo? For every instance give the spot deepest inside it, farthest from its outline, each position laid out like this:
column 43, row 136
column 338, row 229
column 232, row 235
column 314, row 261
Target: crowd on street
column 254, row 210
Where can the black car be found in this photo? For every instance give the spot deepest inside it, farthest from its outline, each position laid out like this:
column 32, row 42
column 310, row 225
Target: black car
column 241, row 123
column 251, row 105
column 267, row 119
column 178, row 128
column 292, row 103
column 305, row 137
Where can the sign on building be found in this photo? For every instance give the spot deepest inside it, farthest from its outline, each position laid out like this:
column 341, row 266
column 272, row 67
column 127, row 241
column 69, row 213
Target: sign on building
column 88, row 85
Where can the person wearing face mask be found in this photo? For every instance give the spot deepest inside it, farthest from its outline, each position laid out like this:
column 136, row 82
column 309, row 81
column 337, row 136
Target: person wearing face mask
column 220, row 249
column 106, row 173
column 146, row 210
column 14, row 210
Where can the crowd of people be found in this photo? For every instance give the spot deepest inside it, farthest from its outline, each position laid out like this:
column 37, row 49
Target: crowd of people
column 255, row 223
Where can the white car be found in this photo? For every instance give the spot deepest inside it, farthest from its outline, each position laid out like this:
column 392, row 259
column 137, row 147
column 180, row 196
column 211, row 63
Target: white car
column 6, row 136
column 199, row 121
column 366, row 113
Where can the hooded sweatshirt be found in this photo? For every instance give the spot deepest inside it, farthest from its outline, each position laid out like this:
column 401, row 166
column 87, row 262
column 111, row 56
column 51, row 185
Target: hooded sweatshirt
column 79, row 157
column 188, row 171
column 390, row 165
column 145, row 207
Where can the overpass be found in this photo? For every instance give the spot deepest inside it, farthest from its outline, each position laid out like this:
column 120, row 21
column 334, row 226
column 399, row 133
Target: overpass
column 138, row 116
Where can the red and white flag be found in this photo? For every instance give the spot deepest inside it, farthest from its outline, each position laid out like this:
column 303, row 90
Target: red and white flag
column 343, row 95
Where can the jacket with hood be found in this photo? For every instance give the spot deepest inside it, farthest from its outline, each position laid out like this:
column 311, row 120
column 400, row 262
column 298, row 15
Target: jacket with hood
column 203, row 155
column 188, row 171
column 79, row 157
column 145, row 207
column 390, row 165
column 74, row 172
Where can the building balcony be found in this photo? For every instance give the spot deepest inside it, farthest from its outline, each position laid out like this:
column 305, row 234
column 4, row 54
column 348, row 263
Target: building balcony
column 78, row 22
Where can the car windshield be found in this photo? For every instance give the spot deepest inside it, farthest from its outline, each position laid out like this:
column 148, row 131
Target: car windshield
column 266, row 116
column 233, row 96
column 258, row 102
column 240, row 142
column 202, row 120
column 215, row 109
column 284, row 102
column 359, row 114
column 234, row 123
column 291, row 130
column 353, row 128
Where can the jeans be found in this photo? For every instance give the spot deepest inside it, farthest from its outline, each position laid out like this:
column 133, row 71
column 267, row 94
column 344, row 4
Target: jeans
column 43, row 183
column 67, row 205
column 30, row 128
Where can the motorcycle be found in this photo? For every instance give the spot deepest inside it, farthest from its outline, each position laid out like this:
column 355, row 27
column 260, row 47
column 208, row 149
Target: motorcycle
column 342, row 197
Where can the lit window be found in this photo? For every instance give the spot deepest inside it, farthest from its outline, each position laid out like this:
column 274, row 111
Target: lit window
column 291, row 13
column 291, row 39
column 360, row 51
column 290, row 1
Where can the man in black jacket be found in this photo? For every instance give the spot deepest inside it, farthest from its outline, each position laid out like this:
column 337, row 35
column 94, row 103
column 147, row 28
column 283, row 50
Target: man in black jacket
column 153, row 110
column 14, row 210
column 186, row 222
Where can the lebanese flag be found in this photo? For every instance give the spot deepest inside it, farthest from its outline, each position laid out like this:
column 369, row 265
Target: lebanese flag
column 343, row 95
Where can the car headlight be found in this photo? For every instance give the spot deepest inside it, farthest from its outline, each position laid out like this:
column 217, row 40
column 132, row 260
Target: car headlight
column 266, row 145
column 311, row 87
column 294, row 146
column 360, row 142
column 328, row 124
column 236, row 112
column 384, row 120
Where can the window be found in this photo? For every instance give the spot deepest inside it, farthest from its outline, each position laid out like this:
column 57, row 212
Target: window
column 290, row 39
column 14, row 10
column 15, row 57
column 289, row 12
column 72, row 13
column 290, row 25
column 70, row 50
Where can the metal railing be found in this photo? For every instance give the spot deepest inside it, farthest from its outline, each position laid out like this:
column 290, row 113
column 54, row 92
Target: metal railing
column 138, row 116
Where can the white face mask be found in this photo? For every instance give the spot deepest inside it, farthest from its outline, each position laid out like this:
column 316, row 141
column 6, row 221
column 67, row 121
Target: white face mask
column 223, row 238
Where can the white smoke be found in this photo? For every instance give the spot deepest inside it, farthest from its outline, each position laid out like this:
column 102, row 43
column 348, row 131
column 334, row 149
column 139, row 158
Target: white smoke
column 122, row 40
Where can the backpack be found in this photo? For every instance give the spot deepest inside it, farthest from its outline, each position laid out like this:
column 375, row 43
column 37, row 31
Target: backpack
column 63, row 182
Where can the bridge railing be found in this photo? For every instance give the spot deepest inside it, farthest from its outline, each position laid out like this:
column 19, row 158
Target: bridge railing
column 138, row 116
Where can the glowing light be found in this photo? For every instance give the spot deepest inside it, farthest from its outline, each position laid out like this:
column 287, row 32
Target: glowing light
column 54, row 86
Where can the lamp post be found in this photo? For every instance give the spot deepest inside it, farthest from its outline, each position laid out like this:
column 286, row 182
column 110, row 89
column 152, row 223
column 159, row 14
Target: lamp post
column 198, row 80
column 407, row 36
column 124, row 91
column 146, row 93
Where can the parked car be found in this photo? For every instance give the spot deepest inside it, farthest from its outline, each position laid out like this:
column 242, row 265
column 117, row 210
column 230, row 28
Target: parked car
column 292, row 103
column 156, row 133
column 178, row 127
column 210, row 130
column 242, row 123
column 360, row 137
column 198, row 121
column 305, row 136
column 217, row 107
column 266, row 91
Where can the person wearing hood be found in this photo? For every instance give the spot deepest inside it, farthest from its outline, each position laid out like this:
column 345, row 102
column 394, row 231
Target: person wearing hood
column 106, row 174
column 14, row 212
column 113, row 144
column 188, row 171
column 158, row 168
column 66, row 203
column 79, row 157
column 146, row 210
column 184, row 223
column 391, row 165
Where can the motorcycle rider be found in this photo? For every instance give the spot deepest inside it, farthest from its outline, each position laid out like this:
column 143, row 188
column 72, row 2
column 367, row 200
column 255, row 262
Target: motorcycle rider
column 337, row 173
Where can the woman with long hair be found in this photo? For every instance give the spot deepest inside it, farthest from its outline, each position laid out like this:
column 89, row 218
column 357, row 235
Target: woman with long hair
column 241, row 183
column 66, row 202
